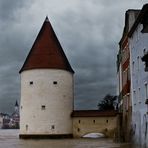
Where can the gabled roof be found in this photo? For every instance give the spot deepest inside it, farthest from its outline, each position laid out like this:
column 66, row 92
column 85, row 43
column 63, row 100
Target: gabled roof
column 141, row 16
column 129, row 22
column 46, row 52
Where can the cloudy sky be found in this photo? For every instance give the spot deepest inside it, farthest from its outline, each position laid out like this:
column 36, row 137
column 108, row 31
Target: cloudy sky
column 88, row 30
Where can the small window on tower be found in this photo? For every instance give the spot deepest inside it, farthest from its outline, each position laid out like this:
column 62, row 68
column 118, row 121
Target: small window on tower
column 43, row 107
column 31, row 82
column 55, row 82
column 52, row 127
column 26, row 127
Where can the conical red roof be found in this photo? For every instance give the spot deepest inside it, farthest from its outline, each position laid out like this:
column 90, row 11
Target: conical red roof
column 46, row 52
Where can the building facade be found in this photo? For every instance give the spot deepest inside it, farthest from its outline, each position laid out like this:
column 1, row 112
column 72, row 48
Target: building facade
column 124, row 76
column 137, row 41
column 95, row 121
column 138, row 37
column 46, row 89
column 15, row 117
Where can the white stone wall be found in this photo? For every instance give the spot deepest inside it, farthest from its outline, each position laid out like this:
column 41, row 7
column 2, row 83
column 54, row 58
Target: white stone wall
column 139, row 80
column 46, row 107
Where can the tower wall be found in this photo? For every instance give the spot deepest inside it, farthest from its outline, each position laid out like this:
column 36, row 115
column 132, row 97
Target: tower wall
column 46, row 102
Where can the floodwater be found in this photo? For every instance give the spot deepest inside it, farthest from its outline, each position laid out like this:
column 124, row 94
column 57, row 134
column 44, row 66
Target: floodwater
column 10, row 139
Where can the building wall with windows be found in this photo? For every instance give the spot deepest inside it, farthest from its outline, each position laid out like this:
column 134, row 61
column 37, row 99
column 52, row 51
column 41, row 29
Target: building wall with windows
column 134, row 65
column 124, row 76
column 46, row 102
column 94, row 121
column 139, row 85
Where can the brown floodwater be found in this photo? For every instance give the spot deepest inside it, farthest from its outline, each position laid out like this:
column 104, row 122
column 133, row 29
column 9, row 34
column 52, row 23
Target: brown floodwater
column 9, row 139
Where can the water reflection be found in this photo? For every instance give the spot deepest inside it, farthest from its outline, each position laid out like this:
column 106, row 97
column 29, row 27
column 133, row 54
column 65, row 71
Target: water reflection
column 9, row 139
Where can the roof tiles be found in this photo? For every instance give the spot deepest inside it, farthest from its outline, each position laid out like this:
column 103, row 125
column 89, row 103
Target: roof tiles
column 46, row 52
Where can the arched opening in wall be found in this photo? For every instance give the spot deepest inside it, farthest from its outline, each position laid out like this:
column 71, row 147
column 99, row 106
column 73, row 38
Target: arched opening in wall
column 93, row 135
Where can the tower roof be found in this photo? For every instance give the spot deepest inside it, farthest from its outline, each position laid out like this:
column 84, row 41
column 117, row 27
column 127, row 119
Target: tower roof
column 46, row 51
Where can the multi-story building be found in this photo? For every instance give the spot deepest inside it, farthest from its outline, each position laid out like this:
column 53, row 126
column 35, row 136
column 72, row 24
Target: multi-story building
column 138, row 37
column 124, row 78
column 132, row 67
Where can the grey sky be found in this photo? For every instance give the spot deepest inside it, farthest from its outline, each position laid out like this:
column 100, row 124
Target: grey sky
column 89, row 32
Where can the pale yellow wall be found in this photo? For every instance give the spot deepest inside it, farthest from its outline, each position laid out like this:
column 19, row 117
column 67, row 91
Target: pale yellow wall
column 94, row 124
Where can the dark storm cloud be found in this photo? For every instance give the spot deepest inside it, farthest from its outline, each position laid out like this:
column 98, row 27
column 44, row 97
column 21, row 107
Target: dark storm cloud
column 11, row 43
column 88, row 31
column 93, row 56
column 91, row 33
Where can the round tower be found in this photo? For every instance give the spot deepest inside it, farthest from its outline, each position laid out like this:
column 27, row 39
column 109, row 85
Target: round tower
column 46, row 89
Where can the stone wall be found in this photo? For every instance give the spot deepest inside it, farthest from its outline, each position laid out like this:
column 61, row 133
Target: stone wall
column 85, row 125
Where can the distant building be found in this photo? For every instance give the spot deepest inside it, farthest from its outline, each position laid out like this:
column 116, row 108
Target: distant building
column 10, row 121
column 1, row 120
column 15, row 117
column 6, row 121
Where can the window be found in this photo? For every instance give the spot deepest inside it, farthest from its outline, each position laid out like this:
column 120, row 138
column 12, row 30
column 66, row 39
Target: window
column 52, row 127
column 78, row 129
column 79, row 121
column 94, row 121
column 133, row 67
column 146, row 91
column 145, row 23
column 145, row 59
column 43, row 107
column 144, row 51
column 138, row 63
column 125, row 76
column 31, row 82
column 26, row 127
column 139, row 95
column 55, row 82
column 134, row 92
column 106, row 121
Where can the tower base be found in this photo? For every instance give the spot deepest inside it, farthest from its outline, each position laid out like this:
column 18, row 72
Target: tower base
column 40, row 136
